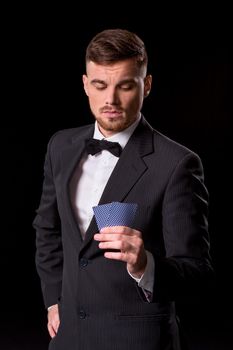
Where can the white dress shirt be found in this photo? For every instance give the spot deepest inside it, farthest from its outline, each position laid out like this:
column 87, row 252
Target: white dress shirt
column 87, row 185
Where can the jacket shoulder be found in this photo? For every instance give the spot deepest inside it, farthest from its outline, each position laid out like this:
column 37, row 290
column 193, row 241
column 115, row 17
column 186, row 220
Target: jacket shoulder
column 65, row 137
column 170, row 147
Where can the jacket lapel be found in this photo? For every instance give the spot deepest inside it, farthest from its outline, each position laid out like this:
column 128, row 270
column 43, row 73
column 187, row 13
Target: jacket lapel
column 128, row 170
column 70, row 158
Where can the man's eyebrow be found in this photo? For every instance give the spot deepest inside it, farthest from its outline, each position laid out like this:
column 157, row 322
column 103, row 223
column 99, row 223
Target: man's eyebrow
column 126, row 81
column 121, row 82
column 94, row 81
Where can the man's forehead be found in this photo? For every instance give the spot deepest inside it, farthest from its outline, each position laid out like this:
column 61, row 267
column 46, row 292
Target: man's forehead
column 127, row 69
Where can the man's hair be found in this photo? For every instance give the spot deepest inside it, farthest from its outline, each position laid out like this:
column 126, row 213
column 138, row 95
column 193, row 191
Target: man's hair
column 113, row 45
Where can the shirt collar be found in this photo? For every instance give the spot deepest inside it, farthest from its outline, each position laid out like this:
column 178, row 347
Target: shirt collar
column 121, row 137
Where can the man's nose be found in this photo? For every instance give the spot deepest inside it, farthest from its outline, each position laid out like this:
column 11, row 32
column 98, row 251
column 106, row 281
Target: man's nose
column 112, row 97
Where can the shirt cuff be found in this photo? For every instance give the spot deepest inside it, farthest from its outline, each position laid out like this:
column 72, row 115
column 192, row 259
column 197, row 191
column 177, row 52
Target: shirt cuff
column 146, row 281
column 50, row 307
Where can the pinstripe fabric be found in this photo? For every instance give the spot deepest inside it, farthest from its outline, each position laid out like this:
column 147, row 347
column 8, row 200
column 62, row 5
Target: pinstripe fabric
column 101, row 306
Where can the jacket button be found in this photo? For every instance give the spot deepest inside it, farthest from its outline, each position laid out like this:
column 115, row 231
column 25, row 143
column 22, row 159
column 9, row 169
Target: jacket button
column 82, row 314
column 83, row 262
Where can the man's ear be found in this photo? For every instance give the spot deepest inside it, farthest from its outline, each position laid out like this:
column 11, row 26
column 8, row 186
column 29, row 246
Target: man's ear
column 85, row 85
column 147, row 85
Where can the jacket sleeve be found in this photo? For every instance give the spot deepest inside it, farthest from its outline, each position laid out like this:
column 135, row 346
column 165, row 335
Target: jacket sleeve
column 49, row 255
column 186, row 268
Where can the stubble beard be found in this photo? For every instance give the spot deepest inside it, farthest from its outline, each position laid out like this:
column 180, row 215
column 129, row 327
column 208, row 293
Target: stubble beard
column 112, row 125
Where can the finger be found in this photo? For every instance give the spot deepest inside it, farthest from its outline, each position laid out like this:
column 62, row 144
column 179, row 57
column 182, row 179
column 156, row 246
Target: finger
column 117, row 233
column 107, row 237
column 53, row 326
column 118, row 229
column 117, row 256
column 122, row 256
column 123, row 230
column 56, row 325
column 51, row 330
column 120, row 245
column 126, row 243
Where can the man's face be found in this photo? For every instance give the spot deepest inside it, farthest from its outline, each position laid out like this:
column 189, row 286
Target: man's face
column 116, row 93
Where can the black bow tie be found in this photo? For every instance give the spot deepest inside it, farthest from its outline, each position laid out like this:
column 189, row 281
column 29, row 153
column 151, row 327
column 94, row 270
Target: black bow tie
column 94, row 146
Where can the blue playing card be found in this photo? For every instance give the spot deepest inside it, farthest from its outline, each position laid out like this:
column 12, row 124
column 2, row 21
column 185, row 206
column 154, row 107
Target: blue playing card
column 115, row 214
column 102, row 214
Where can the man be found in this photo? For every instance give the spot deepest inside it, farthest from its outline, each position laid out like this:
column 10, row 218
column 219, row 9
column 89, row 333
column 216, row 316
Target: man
column 116, row 289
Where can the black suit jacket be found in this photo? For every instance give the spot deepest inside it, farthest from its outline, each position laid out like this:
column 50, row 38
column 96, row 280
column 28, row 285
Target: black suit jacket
column 101, row 306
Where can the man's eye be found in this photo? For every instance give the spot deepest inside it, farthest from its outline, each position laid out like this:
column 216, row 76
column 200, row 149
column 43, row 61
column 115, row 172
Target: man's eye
column 99, row 86
column 127, row 87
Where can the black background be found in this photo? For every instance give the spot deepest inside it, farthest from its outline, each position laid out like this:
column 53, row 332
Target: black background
column 43, row 53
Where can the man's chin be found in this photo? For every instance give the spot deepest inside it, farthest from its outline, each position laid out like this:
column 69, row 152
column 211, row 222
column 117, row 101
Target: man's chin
column 112, row 125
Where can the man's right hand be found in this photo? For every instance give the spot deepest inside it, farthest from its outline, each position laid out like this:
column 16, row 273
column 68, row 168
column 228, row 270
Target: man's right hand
column 53, row 320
